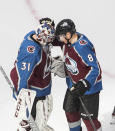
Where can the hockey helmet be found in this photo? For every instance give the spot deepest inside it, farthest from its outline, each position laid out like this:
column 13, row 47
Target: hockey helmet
column 64, row 26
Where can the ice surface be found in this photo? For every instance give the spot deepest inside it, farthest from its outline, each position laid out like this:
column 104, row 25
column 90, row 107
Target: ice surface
column 93, row 18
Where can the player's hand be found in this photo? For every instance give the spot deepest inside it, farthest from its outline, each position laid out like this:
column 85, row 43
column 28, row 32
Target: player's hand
column 80, row 88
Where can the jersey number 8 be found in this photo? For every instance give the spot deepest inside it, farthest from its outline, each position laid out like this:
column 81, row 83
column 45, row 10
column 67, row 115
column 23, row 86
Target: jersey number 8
column 90, row 57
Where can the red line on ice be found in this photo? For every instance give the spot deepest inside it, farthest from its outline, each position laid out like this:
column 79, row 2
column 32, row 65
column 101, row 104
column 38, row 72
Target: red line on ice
column 33, row 11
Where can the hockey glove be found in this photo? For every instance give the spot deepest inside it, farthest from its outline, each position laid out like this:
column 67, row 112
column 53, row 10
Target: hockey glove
column 58, row 67
column 80, row 88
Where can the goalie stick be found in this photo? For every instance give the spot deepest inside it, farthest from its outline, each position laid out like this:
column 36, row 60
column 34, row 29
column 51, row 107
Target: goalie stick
column 30, row 120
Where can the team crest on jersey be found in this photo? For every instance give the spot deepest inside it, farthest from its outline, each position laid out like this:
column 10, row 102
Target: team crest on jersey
column 71, row 65
column 47, row 68
column 83, row 42
column 31, row 49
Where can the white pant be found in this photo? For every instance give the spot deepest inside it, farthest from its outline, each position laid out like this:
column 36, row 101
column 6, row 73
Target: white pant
column 43, row 111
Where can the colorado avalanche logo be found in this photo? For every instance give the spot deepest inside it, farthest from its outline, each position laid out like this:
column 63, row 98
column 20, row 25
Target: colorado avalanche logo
column 83, row 42
column 71, row 65
column 31, row 49
column 47, row 68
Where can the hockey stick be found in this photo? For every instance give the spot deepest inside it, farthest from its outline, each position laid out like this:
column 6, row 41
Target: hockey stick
column 31, row 121
column 86, row 111
column 7, row 79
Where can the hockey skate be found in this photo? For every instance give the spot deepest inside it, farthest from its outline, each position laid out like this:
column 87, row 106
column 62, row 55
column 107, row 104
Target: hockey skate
column 112, row 120
column 113, row 117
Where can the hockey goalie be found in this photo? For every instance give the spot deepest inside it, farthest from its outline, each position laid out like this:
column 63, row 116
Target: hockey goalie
column 31, row 77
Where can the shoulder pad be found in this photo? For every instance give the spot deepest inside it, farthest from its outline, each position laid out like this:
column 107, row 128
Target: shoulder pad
column 29, row 34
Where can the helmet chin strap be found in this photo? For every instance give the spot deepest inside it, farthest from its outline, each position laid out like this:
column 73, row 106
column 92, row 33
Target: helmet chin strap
column 68, row 43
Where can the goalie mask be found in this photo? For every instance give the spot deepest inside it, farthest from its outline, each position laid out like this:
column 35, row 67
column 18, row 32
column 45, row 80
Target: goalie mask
column 45, row 31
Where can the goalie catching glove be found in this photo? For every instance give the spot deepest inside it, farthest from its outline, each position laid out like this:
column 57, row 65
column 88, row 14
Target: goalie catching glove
column 80, row 88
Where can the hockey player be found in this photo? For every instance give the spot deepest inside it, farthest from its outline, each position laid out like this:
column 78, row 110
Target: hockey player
column 83, row 77
column 32, row 73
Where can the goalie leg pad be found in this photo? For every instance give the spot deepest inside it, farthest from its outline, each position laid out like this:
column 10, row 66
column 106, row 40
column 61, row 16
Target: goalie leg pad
column 43, row 111
column 25, row 125
column 24, row 104
column 25, row 101
column 33, row 112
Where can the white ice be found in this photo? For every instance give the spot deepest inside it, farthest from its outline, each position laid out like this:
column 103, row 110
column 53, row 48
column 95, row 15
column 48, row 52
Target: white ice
column 94, row 18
